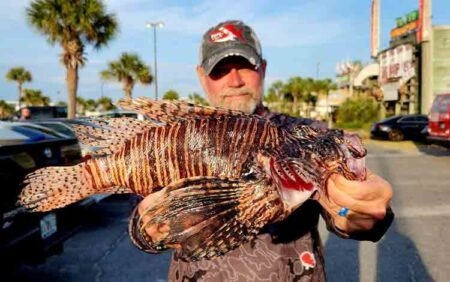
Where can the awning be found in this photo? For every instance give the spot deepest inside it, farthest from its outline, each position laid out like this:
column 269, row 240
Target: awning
column 366, row 72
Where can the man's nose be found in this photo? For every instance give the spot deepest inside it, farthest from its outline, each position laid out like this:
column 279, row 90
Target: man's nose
column 235, row 79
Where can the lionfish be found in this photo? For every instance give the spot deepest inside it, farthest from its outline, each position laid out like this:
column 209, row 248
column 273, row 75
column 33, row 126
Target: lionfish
column 217, row 176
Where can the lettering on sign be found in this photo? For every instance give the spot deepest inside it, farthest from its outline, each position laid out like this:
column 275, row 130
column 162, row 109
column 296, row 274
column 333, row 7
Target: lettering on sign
column 397, row 63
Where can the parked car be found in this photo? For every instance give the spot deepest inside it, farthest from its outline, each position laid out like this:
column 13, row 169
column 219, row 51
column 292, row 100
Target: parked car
column 43, row 112
column 439, row 120
column 25, row 236
column 120, row 113
column 398, row 128
column 60, row 125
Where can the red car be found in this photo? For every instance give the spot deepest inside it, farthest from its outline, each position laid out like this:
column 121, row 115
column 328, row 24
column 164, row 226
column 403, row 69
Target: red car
column 439, row 119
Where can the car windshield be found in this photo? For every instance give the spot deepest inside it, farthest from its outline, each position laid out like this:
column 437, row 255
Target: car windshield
column 58, row 127
column 18, row 133
column 441, row 104
column 390, row 119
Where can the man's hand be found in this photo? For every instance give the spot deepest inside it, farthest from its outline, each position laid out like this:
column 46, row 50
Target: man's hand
column 156, row 232
column 367, row 201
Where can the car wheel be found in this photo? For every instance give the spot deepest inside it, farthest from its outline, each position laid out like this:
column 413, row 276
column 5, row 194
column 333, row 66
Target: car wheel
column 396, row 135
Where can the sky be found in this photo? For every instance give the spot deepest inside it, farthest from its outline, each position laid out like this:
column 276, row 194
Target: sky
column 299, row 38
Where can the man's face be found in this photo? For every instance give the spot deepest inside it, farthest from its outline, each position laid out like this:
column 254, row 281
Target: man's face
column 234, row 84
column 25, row 112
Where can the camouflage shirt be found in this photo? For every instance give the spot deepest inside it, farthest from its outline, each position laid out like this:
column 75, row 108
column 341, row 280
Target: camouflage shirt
column 290, row 250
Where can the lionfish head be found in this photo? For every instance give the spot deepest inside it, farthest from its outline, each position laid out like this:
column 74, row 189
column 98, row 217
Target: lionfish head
column 336, row 150
column 350, row 156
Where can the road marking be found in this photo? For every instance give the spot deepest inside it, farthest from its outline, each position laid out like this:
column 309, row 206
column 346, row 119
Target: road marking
column 368, row 254
column 410, row 212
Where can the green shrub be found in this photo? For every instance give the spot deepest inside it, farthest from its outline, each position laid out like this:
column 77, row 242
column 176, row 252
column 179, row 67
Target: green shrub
column 357, row 113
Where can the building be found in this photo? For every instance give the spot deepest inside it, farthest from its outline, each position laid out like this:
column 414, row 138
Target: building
column 415, row 67
column 399, row 67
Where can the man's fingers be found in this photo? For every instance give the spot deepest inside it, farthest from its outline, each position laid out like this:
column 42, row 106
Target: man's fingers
column 353, row 222
column 373, row 188
column 373, row 208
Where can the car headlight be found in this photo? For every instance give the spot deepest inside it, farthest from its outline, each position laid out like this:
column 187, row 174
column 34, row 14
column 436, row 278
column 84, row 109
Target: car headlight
column 385, row 128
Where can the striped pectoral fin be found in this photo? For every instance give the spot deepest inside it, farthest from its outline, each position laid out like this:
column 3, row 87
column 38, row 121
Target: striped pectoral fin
column 207, row 216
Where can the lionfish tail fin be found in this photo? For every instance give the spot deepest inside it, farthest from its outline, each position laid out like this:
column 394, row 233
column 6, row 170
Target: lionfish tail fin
column 54, row 187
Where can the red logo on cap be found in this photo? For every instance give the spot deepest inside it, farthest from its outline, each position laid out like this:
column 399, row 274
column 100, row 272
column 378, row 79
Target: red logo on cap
column 308, row 260
column 225, row 33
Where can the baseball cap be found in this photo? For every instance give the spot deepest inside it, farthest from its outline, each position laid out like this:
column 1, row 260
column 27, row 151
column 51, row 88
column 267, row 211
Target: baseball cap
column 229, row 38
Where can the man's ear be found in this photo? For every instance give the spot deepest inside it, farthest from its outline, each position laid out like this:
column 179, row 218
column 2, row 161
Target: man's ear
column 201, row 76
column 263, row 67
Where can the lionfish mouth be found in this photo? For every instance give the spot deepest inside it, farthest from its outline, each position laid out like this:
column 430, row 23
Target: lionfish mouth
column 354, row 157
column 357, row 168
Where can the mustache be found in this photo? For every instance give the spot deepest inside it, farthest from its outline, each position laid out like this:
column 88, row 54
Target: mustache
column 238, row 91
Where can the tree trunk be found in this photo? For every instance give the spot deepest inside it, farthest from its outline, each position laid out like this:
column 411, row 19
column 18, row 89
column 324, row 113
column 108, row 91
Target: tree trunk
column 295, row 106
column 19, row 86
column 279, row 101
column 72, row 86
column 128, row 90
column 381, row 111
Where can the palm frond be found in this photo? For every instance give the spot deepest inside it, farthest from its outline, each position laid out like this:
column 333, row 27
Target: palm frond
column 128, row 69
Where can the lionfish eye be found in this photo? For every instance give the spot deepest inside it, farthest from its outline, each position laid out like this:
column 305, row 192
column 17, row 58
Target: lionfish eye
column 338, row 140
column 298, row 132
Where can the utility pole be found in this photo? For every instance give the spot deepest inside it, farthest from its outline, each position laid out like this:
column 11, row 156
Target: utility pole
column 425, row 39
column 317, row 69
column 154, row 25
column 375, row 28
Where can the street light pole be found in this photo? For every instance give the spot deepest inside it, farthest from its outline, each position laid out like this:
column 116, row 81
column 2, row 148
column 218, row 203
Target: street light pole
column 154, row 25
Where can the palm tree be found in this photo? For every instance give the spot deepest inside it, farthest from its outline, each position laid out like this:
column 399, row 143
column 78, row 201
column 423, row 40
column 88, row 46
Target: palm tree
column 91, row 105
column 325, row 86
column 297, row 87
column 34, row 97
column 105, row 104
column 20, row 75
column 81, row 105
column 275, row 94
column 171, row 95
column 197, row 99
column 129, row 70
column 73, row 24
column 5, row 109
column 308, row 95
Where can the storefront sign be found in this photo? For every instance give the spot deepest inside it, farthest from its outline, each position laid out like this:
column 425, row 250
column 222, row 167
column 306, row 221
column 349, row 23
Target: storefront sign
column 397, row 64
column 406, row 25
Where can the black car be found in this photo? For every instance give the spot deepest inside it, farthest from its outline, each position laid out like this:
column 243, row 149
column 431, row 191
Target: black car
column 60, row 125
column 398, row 128
column 25, row 236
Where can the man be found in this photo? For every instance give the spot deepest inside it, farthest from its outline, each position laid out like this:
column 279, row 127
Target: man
column 231, row 71
column 25, row 114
